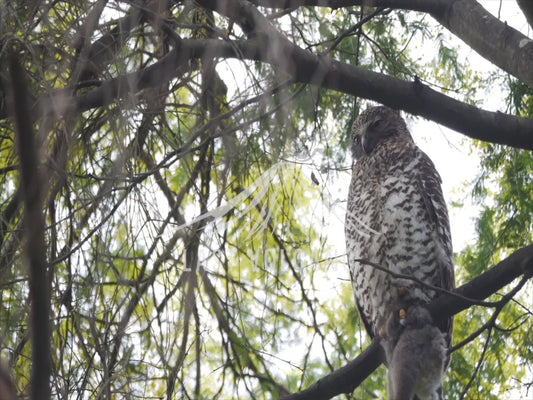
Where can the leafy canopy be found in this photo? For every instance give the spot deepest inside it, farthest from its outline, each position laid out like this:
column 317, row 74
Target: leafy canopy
column 195, row 229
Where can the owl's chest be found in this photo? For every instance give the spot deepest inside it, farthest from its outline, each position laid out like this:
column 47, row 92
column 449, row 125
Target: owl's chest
column 385, row 199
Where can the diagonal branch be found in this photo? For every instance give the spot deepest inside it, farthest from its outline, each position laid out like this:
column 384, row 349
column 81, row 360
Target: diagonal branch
column 306, row 67
column 491, row 323
column 349, row 377
column 421, row 283
column 413, row 97
column 527, row 8
column 268, row 45
column 491, row 38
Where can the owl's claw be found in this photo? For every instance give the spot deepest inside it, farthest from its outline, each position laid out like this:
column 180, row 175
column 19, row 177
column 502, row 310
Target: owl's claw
column 383, row 332
column 403, row 313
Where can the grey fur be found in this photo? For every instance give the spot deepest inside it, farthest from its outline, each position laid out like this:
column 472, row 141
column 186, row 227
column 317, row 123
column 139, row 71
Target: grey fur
column 416, row 352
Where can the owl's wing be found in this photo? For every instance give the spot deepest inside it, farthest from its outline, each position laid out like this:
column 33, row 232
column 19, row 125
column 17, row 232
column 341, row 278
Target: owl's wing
column 429, row 182
column 366, row 322
column 363, row 240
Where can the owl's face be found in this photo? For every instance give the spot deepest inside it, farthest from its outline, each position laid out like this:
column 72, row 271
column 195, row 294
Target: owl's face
column 374, row 127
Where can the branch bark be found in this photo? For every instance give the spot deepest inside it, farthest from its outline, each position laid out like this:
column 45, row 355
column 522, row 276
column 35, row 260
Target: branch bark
column 413, row 97
column 349, row 377
column 527, row 9
column 346, row 378
column 35, row 250
column 491, row 38
column 270, row 46
column 306, row 67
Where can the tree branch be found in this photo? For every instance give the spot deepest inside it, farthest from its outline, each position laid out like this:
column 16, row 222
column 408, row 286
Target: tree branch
column 104, row 49
column 35, row 251
column 413, row 97
column 527, row 9
column 270, row 46
column 491, row 38
column 349, row 377
column 517, row 264
column 346, row 378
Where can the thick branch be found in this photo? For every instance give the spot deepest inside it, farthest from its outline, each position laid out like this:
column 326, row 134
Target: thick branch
column 105, row 49
column 306, row 67
column 171, row 66
column 347, row 378
column 270, row 46
column 415, row 5
column 493, row 39
column 413, row 97
column 35, row 250
column 527, row 8
column 344, row 379
column 517, row 264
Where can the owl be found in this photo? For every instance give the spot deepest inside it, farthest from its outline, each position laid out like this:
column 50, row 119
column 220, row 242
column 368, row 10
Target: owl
column 396, row 219
column 416, row 353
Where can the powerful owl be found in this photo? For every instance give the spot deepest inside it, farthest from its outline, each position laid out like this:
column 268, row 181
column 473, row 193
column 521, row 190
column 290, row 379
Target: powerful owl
column 396, row 221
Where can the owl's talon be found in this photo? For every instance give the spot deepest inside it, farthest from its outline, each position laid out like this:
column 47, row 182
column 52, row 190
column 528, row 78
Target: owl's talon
column 403, row 315
column 383, row 331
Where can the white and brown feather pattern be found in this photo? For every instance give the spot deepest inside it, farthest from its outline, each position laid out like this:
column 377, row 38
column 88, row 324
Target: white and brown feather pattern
column 396, row 218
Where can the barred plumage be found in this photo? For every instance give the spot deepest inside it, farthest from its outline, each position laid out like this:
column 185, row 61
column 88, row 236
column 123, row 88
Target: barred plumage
column 416, row 354
column 396, row 218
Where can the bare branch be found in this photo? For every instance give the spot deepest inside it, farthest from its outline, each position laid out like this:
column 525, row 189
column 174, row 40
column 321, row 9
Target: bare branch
column 32, row 194
column 517, row 264
column 413, row 97
column 493, row 39
column 527, row 8
column 427, row 285
column 478, row 365
column 491, row 323
column 347, row 378
column 269, row 45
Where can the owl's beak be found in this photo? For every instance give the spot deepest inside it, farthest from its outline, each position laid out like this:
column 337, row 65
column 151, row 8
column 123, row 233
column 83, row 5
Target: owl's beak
column 367, row 144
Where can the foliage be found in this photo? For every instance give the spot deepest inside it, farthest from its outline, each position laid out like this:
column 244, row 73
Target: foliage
column 503, row 191
column 194, row 229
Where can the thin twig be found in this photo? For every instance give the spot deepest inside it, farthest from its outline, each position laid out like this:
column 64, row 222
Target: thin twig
column 427, row 285
column 478, row 366
column 355, row 28
column 491, row 323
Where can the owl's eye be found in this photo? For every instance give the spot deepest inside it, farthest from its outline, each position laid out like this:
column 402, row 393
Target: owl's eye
column 378, row 124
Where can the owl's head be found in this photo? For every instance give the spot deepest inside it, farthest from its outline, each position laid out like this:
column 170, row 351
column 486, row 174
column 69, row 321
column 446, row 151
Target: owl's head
column 374, row 127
